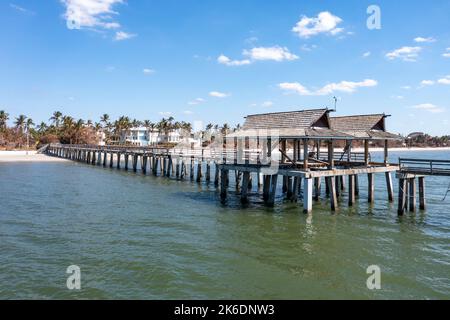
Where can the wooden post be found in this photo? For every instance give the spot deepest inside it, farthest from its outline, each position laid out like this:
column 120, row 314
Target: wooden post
column 331, row 155
column 208, row 171
column 337, row 186
column 127, row 156
column 333, row 197
column 386, row 152
column 111, row 159
column 295, row 189
column 216, row 175
column 371, row 187
column 237, row 177
column 327, row 188
column 118, row 160
column 223, row 184
column 144, row 164
column 412, row 194
column 366, row 152
column 289, row 187
column 401, row 196
column 317, row 188
column 156, row 165
column 105, row 158
column 191, row 169
column 389, row 187
column 199, row 170
column 135, row 159
column 305, row 154
column 356, row 185
column 422, row 200
column 244, row 192
column 266, row 187
column 170, row 165
column 308, row 196
column 273, row 190
column 351, row 190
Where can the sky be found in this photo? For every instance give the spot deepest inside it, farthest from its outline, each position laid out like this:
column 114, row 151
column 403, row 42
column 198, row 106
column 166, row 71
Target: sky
column 210, row 61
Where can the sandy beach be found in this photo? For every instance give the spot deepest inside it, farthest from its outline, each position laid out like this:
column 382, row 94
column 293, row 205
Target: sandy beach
column 26, row 156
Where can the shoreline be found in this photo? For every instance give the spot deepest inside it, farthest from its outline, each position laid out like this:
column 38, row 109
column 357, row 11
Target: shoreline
column 32, row 156
column 27, row 156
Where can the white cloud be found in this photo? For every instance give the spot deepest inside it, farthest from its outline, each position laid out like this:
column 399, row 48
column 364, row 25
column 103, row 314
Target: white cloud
column 188, row 112
column 422, row 40
column 21, row 9
column 406, row 87
column 90, row 13
column 405, row 53
column 398, row 97
column 445, row 80
column 308, row 48
column 270, row 53
column 275, row 53
column 110, row 68
column 367, row 54
column 196, row 101
column 447, row 54
column 267, row 104
column 222, row 59
column 217, row 94
column 429, row 108
column 94, row 14
column 325, row 22
column 148, row 71
column 121, row 35
column 427, row 83
column 165, row 113
column 343, row 86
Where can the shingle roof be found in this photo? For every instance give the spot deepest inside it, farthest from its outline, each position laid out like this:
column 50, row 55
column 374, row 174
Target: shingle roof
column 293, row 120
column 357, row 123
column 370, row 126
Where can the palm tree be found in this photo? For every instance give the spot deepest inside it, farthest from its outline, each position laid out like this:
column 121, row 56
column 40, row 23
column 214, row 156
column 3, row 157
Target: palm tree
column 56, row 118
column 42, row 127
column 225, row 129
column 104, row 118
column 4, row 117
column 20, row 122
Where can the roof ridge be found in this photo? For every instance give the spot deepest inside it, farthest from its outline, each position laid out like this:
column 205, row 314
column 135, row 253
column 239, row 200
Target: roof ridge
column 360, row 115
column 281, row 112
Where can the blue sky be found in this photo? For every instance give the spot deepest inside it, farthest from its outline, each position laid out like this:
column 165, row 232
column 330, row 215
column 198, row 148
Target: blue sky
column 217, row 61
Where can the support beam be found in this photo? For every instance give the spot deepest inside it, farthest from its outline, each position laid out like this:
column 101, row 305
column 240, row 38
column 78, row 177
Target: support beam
column 244, row 192
column 422, row 200
column 351, row 190
column 273, row 190
column 412, row 195
column 223, row 184
column 371, row 187
column 305, row 154
column 389, row 187
column 317, row 188
column 366, row 152
column 333, row 197
column 401, row 196
column 308, row 196
column 266, row 187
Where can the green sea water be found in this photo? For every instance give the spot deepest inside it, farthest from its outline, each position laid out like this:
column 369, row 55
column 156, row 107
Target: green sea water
column 145, row 237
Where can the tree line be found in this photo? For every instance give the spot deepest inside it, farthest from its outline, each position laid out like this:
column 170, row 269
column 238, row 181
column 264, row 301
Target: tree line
column 67, row 130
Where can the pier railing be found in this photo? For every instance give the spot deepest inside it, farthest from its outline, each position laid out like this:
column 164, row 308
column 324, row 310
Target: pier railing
column 425, row 166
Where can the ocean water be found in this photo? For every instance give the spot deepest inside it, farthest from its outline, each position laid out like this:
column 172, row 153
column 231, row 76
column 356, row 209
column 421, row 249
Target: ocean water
column 145, row 237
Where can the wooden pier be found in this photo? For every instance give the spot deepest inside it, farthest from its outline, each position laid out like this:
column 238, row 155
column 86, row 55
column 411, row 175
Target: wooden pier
column 295, row 149
column 409, row 171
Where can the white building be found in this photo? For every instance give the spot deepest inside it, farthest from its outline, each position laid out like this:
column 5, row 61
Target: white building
column 144, row 137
